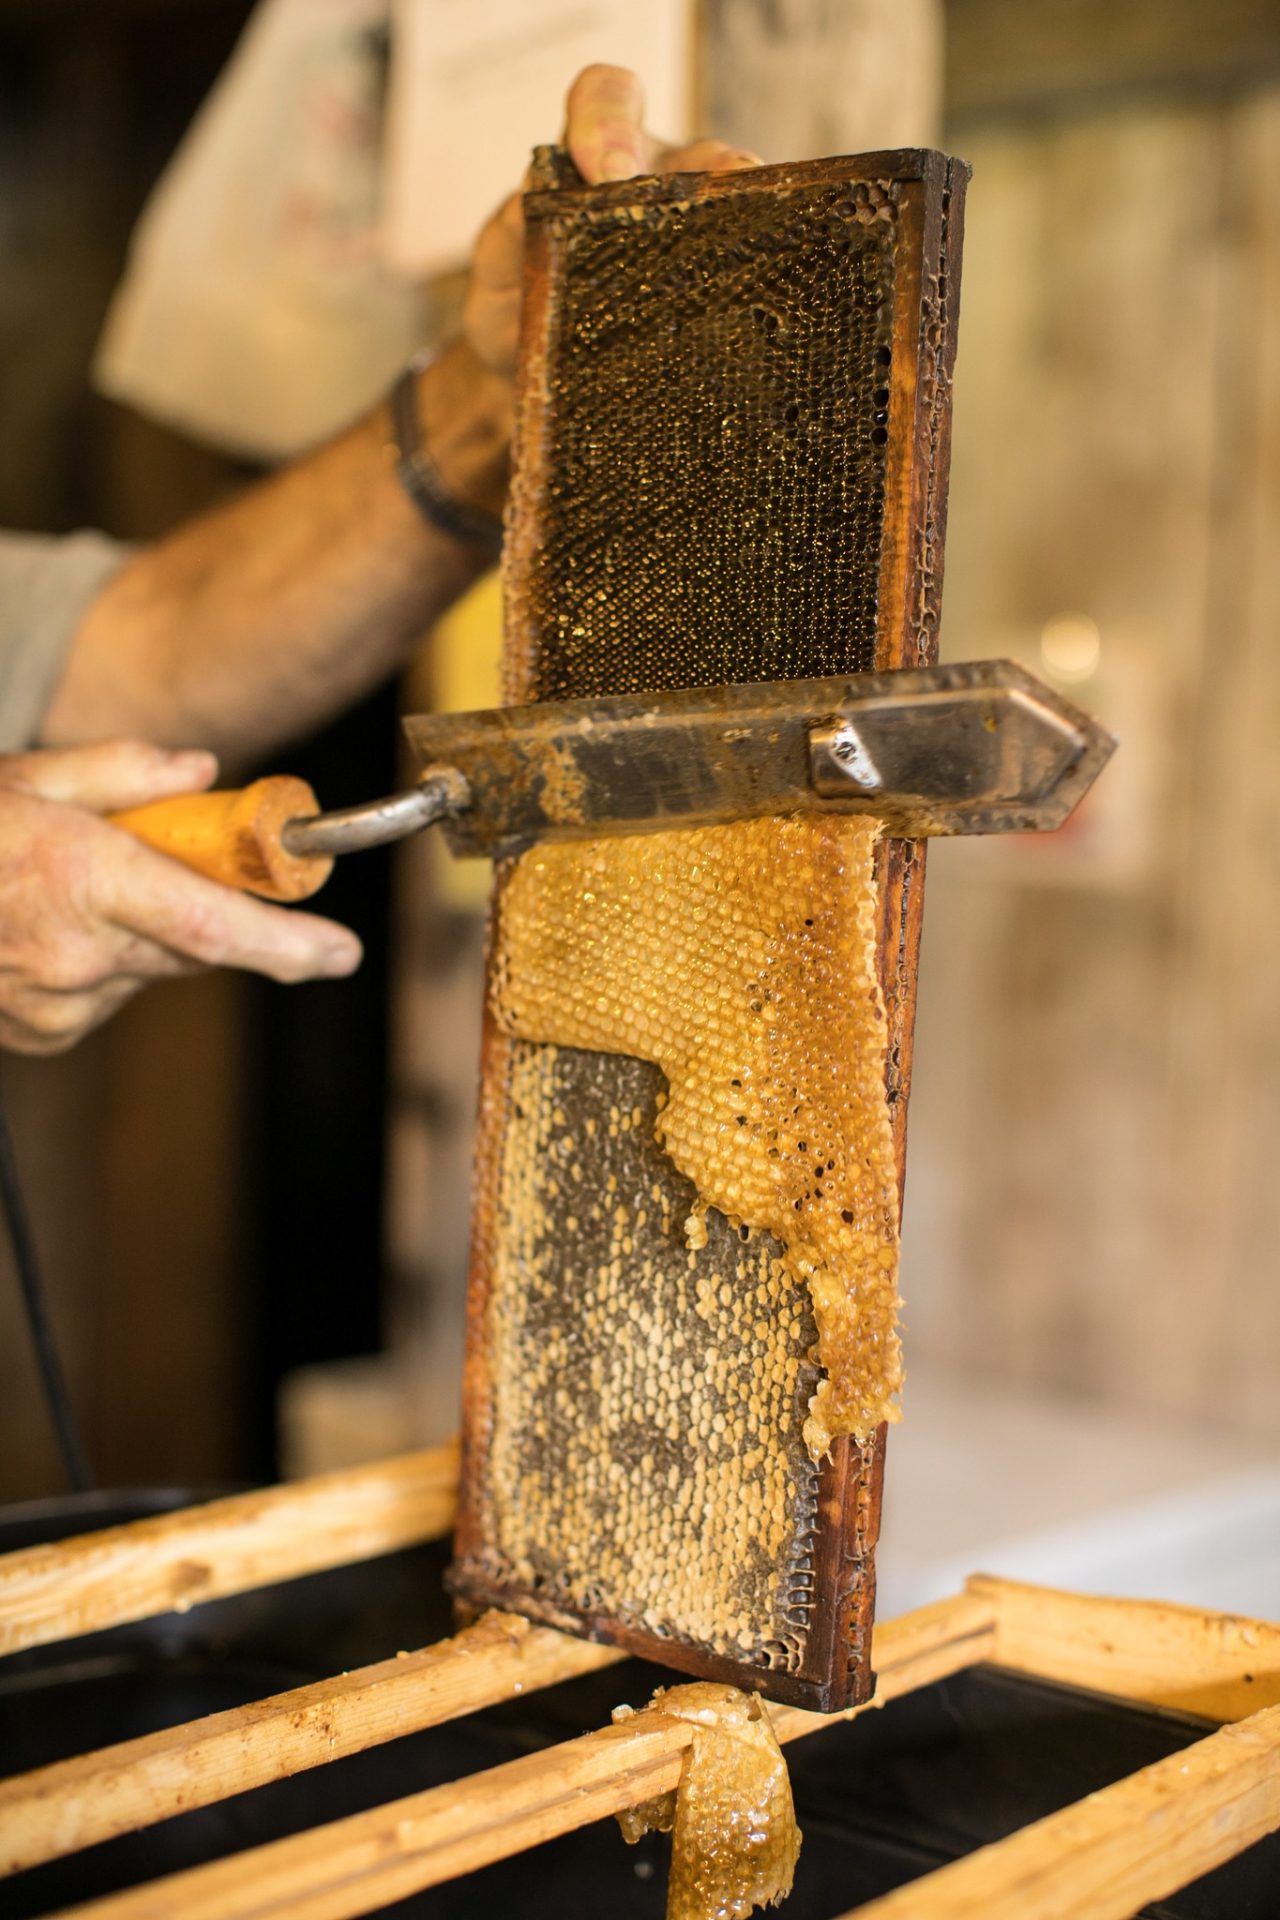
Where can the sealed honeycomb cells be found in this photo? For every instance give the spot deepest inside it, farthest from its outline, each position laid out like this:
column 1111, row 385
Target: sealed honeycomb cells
column 730, row 465
column 740, row 959
column 735, row 1842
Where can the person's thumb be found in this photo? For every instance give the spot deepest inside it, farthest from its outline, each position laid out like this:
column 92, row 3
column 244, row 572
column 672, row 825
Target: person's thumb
column 110, row 776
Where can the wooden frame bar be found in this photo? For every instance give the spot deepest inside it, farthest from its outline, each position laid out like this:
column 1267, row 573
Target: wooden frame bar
column 360, row 1864
column 174, row 1561
column 96, row 1796
column 1214, row 1665
column 1108, row 1855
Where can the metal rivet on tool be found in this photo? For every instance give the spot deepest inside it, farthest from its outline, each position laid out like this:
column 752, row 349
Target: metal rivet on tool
column 837, row 746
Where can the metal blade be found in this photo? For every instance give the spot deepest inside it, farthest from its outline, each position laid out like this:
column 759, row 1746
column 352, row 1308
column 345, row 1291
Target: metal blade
column 974, row 747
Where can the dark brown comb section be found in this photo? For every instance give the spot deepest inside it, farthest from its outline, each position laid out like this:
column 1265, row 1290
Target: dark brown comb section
column 731, row 465
column 704, row 355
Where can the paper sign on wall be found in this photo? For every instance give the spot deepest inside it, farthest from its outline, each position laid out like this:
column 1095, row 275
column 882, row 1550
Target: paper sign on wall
column 476, row 84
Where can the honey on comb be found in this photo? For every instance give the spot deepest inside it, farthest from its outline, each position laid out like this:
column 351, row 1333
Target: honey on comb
column 741, row 960
column 706, row 490
column 734, row 1836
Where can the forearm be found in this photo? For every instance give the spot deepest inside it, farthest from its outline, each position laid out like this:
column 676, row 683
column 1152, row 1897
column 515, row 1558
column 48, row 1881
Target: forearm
column 265, row 617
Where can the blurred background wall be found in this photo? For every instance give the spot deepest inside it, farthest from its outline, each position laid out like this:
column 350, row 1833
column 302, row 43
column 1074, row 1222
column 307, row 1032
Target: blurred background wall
column 1090, row 1209
column 1098, row 1102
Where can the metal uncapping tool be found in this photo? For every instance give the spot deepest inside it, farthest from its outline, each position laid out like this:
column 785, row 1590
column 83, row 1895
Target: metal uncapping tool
column 976, row 747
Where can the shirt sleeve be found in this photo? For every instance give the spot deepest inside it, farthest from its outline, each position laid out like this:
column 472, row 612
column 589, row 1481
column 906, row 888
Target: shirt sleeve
column 45, row 586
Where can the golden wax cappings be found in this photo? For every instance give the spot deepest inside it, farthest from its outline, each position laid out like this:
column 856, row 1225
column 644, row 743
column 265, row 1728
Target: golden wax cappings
column 741, row 959
column 734, row 1836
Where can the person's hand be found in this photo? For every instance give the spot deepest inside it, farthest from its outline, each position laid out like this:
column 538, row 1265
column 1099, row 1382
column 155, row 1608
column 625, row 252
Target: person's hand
column 88, row 915
column 604, row 133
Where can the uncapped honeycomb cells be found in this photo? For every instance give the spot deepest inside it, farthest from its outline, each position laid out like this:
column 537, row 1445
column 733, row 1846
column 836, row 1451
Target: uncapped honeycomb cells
column 735, row 1842
column 703, row 482
column 741, row 960
column 645, row 1453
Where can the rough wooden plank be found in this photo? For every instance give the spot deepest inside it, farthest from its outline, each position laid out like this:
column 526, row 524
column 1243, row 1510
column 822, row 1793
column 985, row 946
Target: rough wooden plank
column 1108, row 1855
column 1023, row 59
column 1215, row 1665
column 177, row 1560
column 356, row 1865
column 76, row 1803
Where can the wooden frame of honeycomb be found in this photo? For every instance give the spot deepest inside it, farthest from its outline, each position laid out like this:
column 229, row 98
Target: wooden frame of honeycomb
column 780, row 512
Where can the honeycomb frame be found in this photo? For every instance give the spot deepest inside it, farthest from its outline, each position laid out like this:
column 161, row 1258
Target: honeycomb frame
column 923, row 195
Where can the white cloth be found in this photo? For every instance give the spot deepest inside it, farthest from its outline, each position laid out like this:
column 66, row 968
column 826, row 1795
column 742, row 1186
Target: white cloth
column 474, row 87
column 255, row 312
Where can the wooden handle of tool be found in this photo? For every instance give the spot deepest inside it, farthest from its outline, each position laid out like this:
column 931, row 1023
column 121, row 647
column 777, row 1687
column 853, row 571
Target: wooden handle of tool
column 235, row 837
